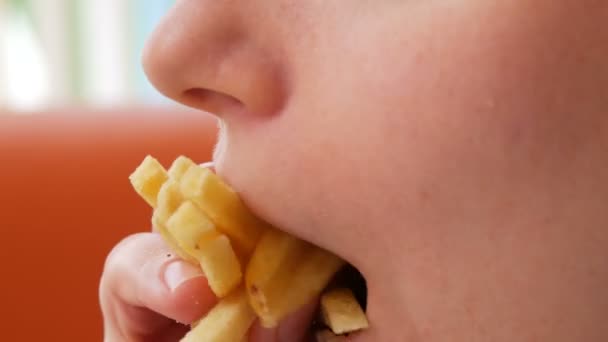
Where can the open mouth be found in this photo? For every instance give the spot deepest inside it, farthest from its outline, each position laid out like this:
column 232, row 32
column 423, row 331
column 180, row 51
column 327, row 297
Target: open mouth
column 347, row 278
column 257, row 271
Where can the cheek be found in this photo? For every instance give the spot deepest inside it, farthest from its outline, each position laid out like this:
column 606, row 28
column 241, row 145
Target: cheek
column 433, row 157
column 414, row 116
column 465, row 97
column 435, row 104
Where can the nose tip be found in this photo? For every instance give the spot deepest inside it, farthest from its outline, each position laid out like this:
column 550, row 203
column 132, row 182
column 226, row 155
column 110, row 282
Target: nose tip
column 204, row 55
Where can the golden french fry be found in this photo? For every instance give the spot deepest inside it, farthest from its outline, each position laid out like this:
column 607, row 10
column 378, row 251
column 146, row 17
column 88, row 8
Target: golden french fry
column 275, row 254
column 228, row 321
column 315, row 271
column 196, row 235
column 189, row 227
column 220, row 265
column 151, row 181
column 341, row 311
column 148, row 178
column 168, row 200
column 285, row 273
column 179, row 167
column 224, row 207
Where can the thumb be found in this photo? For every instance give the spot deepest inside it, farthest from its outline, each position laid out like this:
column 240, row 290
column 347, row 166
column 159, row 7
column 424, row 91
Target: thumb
column 145, row 289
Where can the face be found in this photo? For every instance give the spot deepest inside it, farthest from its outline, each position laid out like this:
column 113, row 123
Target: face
column 453, row 151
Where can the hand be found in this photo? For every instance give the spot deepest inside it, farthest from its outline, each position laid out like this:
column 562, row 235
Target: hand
column 148, row 294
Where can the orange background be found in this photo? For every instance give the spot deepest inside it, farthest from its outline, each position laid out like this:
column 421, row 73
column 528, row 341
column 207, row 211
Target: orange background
column 65, row 200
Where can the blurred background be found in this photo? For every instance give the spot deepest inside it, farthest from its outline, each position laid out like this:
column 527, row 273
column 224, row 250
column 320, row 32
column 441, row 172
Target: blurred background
column 77, row 116
column 57, row 53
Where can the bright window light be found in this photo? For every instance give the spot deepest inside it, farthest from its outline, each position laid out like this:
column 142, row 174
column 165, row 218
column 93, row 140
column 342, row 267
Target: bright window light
column 26, row 79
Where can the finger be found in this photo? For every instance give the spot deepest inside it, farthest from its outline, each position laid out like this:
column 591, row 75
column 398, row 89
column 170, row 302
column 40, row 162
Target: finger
column 294, row 328
column 145, row 289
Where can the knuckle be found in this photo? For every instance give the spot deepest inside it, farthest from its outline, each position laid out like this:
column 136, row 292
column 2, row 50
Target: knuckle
column 123, row 250
column 122, row 258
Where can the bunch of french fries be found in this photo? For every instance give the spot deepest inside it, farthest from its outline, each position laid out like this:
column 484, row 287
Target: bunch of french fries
column 256, row 270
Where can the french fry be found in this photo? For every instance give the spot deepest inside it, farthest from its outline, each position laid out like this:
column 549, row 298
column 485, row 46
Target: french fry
column 228, row 321
column 189, row 227
column 220, row 265
column 196, row 235
column 285, row 273
column 148, row 178
column 179, row 168
column 216, row 199
column 168, row 200
column 275, row 254
column 151, row 181
column 341, row 312
column 185, row 228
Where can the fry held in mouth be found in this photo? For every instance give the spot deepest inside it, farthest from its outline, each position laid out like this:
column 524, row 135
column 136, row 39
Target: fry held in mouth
column 255, row 269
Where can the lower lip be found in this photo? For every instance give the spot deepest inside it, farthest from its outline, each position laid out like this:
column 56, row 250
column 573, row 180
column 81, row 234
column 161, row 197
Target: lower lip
column 208, row 165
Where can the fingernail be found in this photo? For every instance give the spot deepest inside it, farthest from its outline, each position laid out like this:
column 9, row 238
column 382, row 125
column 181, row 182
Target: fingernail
column 178, row 272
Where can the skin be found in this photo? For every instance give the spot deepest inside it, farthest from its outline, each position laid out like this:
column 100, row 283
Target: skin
column 455, row 152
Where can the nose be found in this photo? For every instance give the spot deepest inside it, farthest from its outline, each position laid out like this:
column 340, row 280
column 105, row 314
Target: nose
column 219, row 57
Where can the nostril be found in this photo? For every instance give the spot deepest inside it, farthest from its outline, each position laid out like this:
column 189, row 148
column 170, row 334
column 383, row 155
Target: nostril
column 211, row 101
